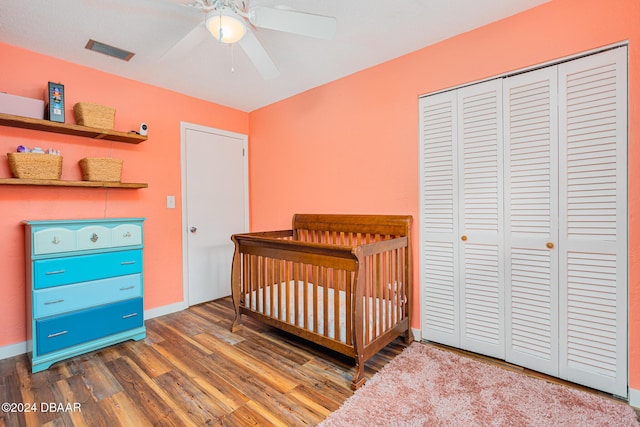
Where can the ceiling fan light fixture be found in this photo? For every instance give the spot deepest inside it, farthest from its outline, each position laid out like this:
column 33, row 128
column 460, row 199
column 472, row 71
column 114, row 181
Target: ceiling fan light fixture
column 226, row 25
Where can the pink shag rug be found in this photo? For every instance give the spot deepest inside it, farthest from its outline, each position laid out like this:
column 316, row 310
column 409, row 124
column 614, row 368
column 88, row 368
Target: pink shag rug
column 426, row 386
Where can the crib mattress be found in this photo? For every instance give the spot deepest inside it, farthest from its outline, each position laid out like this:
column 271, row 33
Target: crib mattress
column 379, row 309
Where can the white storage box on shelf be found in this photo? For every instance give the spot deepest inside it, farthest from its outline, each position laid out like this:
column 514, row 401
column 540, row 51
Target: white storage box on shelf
column 21, row 106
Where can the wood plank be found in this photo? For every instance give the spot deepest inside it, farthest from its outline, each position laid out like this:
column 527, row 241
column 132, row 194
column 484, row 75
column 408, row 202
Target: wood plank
column 63, row 183
column 69, row 129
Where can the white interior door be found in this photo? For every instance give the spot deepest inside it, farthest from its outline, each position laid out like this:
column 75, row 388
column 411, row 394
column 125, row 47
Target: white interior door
column 480, row 190
column 593, row 220
column 531, row 219
column 215, row 207
column 439, row 265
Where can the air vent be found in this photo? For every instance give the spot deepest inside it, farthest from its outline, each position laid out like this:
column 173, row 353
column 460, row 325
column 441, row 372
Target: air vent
column 125, row 55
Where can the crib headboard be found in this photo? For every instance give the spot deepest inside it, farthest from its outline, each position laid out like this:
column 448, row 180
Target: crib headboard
column 384, row 225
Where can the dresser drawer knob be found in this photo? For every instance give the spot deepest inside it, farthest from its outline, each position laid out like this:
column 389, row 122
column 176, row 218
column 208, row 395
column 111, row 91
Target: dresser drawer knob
column 126, row 316
column 55, row 240
column 49, row 273
column 57, row 334
column 94, row 237
column 127, row 234
column 58, row 301
column 127, row 288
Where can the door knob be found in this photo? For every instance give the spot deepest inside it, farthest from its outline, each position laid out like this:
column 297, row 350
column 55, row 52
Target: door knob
column 550, row 245
column 193, row 229
column 464, row 238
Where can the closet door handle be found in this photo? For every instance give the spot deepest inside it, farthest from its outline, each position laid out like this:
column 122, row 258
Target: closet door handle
column 463, row 238
column 550, row 245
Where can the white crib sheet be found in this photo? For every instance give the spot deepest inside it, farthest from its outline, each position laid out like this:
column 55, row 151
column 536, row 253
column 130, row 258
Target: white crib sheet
column 279, row 310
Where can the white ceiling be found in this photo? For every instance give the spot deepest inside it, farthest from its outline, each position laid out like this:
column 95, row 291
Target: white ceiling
column 369, row 32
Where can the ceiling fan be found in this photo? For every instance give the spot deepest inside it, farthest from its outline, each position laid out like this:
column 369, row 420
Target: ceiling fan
column 233, row 21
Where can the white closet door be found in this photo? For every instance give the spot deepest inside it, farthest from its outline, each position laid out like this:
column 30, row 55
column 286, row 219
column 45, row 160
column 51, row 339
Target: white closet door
column 531, row 219
column 439, row 222
column 480, row 160
column 593, row 220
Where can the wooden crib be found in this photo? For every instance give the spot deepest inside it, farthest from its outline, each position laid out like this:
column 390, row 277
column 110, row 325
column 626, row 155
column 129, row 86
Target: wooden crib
column 341, row 281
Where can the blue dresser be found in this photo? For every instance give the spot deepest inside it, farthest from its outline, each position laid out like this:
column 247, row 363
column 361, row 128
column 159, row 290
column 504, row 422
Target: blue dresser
column 84, row 286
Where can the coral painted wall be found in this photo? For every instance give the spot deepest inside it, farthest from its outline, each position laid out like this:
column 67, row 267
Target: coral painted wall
column 155, row 161
column 352, row 145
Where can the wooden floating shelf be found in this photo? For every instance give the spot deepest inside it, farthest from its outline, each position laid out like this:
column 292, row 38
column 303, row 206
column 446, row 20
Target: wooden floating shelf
column 69, row 129
column 61, row 183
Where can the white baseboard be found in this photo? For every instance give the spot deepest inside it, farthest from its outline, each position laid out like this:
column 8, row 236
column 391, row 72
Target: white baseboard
column 634, row 398
column 12, row 350
column 17, row 349
column 165, row 309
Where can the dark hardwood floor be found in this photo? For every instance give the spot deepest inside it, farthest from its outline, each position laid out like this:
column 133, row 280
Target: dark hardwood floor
column 192, row 371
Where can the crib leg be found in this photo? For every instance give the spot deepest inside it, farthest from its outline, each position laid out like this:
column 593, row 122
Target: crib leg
column 236, row 325
column 408, row 337
column 358, row 376
column 236, row 290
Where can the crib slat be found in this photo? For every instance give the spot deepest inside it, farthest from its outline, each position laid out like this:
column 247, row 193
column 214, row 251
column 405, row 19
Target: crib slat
column 348, row 280
column 325, row 302
column 287, row 288
column 337, row 333
column 315, row 279
column 296, row 293
column 305, row 296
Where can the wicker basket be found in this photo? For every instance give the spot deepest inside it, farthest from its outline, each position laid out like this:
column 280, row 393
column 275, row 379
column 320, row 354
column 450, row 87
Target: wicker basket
column 101, row 169
column 35, row 165
column 94, row 115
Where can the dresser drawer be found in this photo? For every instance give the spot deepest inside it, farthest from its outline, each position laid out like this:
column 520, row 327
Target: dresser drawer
column 94, row 237
column 63, row 299
column 75, row 328
column 54, row 240
column 126, row 235
column 83, row 268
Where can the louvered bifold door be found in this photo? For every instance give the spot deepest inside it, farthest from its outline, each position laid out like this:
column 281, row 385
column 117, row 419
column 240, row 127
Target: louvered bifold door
column 593, row 220
column 480, row 192
column 439, row 221
column 531, row 219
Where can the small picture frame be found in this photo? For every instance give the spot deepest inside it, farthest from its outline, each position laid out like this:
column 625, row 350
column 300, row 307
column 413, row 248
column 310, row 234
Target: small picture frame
column 56, row 102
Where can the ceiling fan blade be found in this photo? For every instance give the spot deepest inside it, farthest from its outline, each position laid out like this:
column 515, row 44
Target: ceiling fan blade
column 306, row 24
column 260, row 58
column 186, row 44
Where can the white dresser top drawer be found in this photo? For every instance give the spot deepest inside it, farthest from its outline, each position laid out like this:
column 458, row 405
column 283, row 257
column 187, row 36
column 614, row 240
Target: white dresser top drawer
column 58, row 236
column 53, row 240
column 126, row 235
column 94, row 237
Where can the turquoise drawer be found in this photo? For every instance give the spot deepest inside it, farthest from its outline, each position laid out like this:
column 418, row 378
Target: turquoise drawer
column 82, row 326
column 83, row 268
column 62, row 299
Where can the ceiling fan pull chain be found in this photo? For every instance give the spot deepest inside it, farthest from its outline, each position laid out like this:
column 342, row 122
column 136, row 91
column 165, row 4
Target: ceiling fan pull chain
column 233, row 68
column 220, row 30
